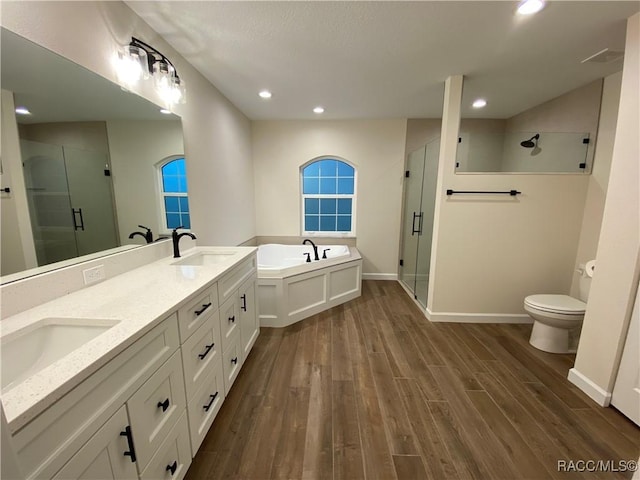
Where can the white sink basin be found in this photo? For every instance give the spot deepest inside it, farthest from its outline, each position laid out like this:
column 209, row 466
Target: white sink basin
column 27, row 351
column 205, row 258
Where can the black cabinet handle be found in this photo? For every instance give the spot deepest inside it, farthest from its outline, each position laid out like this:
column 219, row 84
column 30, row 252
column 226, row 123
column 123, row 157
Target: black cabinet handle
column 413, row 225
column 172, row 468
column 75, row 224
column 206, row 351
column 234, row 360
column 244, row 303
column 213, row 399
column 164, row 405
column 204, row 307
column 131, row 453
column 232, row 318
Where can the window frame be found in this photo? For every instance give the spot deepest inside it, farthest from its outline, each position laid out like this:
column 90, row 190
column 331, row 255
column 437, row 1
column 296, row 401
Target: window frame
column 165, row 229
column 352, row 196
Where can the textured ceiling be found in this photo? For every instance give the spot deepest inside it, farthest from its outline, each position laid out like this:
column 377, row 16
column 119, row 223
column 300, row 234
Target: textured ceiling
column 388, row 59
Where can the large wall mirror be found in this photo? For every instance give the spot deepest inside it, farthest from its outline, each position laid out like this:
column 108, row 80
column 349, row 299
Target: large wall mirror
column 86, row 166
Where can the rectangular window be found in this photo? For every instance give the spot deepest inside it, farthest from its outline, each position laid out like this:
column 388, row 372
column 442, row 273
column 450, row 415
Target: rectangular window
column 328, row 196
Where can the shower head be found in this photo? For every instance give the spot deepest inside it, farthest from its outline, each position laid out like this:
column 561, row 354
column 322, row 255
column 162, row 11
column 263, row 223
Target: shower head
column 530, row 143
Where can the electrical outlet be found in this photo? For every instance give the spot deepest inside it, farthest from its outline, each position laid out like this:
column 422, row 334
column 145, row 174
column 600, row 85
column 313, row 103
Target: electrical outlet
column 92, row 275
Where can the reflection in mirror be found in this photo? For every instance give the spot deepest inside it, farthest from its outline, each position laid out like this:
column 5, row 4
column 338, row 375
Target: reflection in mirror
column 555, row 136
column 83, row 165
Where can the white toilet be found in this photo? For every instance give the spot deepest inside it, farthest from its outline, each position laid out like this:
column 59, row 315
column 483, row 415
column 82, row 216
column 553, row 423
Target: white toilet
column 558, row 318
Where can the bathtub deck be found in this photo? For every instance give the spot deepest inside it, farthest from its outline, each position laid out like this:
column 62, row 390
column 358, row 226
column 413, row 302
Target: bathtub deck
column 371, row 389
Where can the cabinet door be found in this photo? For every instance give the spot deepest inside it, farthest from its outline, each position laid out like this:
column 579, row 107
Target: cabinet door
column 102, row 457
column 249, row 320
column 229, row 321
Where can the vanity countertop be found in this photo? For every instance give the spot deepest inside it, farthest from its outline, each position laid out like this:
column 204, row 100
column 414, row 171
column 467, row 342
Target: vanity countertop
column 139, row 300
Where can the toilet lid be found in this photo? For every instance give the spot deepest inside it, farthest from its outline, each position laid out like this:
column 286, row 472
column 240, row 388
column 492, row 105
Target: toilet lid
column 556, row 304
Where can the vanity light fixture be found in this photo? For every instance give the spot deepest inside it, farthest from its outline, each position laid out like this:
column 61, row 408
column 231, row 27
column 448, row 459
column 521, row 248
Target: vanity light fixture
column 22, row 111
column 529, row 7
column 479, row 103
column 266, row 94
column 139, row 60
column 318, row 110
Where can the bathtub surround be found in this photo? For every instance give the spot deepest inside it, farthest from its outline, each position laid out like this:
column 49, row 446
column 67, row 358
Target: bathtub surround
column 217, row 139
column 616, row 279
column 375, row 147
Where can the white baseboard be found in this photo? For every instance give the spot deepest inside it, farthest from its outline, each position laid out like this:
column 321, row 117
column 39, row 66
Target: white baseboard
column 596, row 393
column 458, row 317
column 380, row 276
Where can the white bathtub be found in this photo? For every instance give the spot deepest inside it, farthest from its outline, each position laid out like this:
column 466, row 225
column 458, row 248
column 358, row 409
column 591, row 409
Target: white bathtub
column 291, row 289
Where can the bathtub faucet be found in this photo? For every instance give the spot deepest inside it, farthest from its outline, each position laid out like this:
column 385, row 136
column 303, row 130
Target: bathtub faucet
column 176, row 240
column 315, row 249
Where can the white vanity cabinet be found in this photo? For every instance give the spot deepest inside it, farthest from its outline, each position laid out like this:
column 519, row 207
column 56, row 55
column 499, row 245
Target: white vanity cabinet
column 102, row 456
column 249, row 319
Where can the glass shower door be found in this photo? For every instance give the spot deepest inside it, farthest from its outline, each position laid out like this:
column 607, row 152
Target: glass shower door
column 412, row 218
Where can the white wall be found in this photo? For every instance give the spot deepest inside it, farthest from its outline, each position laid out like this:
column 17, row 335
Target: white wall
column 617, row 260
column 216, row 134
column 599, row 179
column 492, row 251
column 83, row 135
column 18, row 249
column 375, row 147
column 136, row 147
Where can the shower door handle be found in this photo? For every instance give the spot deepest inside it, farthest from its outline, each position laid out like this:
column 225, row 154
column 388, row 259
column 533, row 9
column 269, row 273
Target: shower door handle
column 77, row 226
column 420, row 223
column 413, row 224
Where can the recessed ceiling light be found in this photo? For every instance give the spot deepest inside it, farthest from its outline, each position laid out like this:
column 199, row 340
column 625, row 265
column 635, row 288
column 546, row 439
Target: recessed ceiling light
column 318, row 110
column 265, row 94
column 165, row 111
column 479, row 103
column 22, row 111
column 529, row 7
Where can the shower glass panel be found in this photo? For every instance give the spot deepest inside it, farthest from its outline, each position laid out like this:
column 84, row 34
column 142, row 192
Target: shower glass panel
column 70, row 201
column 419, row 207
column 412, row 218
column 49, row 202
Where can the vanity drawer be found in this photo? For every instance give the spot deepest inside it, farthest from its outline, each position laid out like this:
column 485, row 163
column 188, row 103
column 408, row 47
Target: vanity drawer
column 196, row 311
column 231, row 363
column 205, row 404
column 230, row 281
column 201, row 351
column 229, row 322
column 155, row 407
column 173, row 458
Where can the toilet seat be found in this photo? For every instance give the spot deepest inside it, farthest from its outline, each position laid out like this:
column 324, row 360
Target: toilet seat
column 561, row 304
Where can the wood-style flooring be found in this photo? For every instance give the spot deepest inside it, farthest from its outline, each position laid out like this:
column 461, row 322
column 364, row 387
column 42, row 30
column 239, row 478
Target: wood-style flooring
column 371, row 389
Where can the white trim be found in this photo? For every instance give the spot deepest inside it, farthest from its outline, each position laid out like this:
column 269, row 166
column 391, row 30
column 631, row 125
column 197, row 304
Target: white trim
column 380, row 276
column 461, row 317
column 596, row 393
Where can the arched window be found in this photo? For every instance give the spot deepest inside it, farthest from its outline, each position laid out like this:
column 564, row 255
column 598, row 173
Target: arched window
column 173, row 192
column 328, row 197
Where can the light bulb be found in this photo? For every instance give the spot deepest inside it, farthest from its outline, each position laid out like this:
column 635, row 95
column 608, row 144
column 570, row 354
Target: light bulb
column 131, row 65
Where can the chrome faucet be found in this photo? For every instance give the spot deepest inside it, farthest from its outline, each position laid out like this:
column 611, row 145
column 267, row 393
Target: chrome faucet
column 148, row 235
column 175, row 236
column 315, row 249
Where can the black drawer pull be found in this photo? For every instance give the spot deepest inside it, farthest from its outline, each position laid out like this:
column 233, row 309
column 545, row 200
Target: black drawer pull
column 244, row 302
column 234, row 360
column 164, row 405
column 204, row 307
column 206, row 351
column 232, row 319
column 172, row 468
column 131, row 453
column 213, row 399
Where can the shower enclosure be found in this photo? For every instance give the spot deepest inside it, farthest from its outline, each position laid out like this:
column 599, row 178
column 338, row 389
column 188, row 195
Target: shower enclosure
column 419, row 205
column 70, row 201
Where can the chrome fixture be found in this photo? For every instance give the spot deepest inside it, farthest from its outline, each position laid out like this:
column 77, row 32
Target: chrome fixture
column 315, row 249
column 530, row 143
column 140, row 60
column 175, row 236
